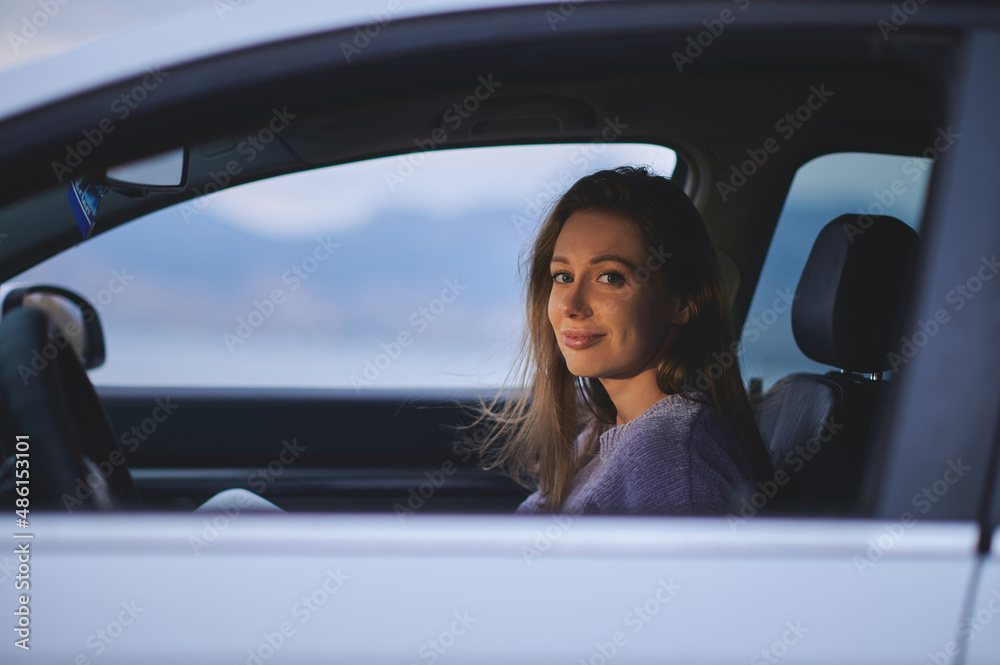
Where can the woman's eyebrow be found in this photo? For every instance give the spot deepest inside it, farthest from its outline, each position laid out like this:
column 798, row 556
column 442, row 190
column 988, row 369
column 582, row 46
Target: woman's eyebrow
column 600, row 258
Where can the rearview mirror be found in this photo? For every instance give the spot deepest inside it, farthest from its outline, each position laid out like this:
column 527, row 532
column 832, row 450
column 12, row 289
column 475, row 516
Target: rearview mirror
column 166, row 172
column 74, row 320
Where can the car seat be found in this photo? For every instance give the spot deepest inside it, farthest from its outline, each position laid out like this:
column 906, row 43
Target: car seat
column 846, row 312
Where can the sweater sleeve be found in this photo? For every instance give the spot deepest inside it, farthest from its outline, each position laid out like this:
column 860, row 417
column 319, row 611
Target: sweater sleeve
column 534, row 502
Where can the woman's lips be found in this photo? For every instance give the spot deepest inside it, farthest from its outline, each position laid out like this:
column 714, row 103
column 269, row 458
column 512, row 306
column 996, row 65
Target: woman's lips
column 580, row 340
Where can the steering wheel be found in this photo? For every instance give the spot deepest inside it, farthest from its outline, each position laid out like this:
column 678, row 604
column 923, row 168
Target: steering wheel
column 48, row 401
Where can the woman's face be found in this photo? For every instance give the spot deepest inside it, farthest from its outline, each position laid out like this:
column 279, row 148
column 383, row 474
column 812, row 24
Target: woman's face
column 609, row 320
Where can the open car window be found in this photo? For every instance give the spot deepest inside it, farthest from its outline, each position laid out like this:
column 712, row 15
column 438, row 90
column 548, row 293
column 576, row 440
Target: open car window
column 822, row 190
column 399, row 272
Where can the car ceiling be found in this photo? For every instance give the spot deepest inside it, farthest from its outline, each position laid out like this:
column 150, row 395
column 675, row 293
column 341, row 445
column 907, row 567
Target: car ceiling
column 888, row 97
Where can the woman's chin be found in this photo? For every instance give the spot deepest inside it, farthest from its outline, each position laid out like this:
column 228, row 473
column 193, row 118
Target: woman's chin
column 583, row 371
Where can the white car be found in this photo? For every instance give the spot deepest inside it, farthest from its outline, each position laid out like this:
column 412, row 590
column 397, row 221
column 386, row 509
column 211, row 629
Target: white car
column 283, row 238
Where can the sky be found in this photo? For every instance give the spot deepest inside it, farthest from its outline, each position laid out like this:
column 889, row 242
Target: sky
column 77, row 22
column 356, row 262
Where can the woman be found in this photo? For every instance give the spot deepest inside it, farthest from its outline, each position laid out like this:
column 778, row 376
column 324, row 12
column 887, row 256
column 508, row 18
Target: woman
column 629, row 339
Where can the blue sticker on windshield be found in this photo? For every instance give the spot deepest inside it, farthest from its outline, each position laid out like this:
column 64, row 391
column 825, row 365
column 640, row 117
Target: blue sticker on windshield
column 84, row 199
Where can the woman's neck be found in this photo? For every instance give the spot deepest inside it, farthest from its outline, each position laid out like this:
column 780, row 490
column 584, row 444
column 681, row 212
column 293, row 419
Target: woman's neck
column 634, row 395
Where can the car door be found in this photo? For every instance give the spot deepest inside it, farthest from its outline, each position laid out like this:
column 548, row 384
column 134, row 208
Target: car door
column 892, row 588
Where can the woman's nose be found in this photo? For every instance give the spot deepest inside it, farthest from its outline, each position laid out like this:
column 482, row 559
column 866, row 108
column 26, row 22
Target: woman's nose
column 575, row 302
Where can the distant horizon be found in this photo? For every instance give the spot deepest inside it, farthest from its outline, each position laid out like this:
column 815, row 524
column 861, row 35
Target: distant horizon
column 196, row 278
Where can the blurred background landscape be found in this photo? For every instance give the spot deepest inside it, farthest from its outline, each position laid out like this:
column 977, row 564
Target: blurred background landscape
column 198, row 278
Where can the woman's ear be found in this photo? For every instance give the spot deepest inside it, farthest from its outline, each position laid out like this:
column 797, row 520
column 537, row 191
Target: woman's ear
column 680, row 312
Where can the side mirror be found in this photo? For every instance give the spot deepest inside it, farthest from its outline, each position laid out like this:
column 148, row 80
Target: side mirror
column 74, row 320
column 166, row 172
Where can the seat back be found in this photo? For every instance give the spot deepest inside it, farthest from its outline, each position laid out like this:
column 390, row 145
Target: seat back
column 845, row 313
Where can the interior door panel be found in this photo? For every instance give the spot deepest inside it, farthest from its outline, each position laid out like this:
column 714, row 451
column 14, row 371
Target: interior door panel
column 305, row 449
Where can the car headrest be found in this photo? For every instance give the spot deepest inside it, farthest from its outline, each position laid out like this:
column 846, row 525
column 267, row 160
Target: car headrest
column 847, row 304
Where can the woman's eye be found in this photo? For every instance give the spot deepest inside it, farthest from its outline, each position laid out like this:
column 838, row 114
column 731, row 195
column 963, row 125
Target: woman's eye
column 562, row 278
column 612, row 278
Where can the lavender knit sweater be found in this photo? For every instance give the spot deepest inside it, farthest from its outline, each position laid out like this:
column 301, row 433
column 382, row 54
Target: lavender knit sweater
column 677, row 457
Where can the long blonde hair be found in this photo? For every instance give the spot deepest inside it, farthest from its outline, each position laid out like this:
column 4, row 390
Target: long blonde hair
column 531, row 434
